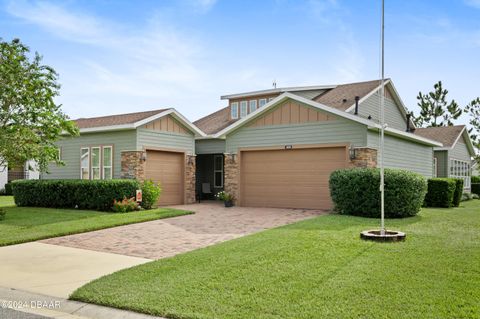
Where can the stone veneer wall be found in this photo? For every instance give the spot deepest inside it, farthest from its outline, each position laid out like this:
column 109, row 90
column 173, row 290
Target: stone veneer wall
column 365, row 157
column 190, row 168
column 231, row 175
column 133, row 167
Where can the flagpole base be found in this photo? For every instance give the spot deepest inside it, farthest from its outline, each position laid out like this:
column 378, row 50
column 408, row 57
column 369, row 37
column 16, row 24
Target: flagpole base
column 388, row 236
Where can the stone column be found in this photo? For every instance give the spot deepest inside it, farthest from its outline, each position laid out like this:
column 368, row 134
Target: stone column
column 231, row 175
column 133, row 165
column 190, row 185
column 365, row 157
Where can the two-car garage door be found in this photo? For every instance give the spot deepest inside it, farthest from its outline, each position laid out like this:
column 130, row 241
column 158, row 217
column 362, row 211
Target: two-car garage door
column 289, row 178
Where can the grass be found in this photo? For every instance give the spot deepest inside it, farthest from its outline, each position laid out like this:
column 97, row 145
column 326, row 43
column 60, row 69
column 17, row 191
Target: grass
column 24, row 224
column 317, row 268
column 6, row 201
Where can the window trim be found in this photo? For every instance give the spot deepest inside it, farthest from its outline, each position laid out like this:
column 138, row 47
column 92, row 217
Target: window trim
column 254, row 104
column 260, row 104
column 88, row 162
column 455, row 174
column 242, row 105
column 99, row 167
column 215, row 171
column 103, row 161
column 234, row 106
column 435, row 167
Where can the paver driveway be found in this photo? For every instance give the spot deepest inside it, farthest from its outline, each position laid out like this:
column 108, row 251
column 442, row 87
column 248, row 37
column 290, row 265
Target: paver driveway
column 211, row 223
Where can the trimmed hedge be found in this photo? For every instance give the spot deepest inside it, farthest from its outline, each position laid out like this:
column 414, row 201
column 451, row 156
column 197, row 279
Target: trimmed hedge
column 457, row 196
column 82, row 194
column 476, row 188
column 475, row 179
column 356, row 192
column 441, row 192
column 8, row 189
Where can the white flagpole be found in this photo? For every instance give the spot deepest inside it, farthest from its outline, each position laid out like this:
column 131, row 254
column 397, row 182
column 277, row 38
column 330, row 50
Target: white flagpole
column 382, row 131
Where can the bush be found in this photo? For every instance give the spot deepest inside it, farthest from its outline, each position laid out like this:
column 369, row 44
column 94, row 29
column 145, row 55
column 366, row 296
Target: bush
column 476, row 188
column 457, row 196
column 475, row 196
column 466, row 197
column 8, row 189
column 475, row 179
column 3, row 213
column 82, row 194
column 441, row 192
column 150, row 193
column 356, row 192
column 125, row 205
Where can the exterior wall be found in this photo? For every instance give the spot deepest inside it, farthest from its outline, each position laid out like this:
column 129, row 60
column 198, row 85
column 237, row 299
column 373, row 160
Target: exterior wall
column 460, row 152
column 393, row 117
column 442, row 163
column 133, row 166
column 70, row 152
column 210, row 146
column 190, row 168
column 365, row 157
column 403, row 154
column 167, row 140
column 3, row 176
column 336, row 131
column 167, row 124
column 248, row 98
column 231, row 176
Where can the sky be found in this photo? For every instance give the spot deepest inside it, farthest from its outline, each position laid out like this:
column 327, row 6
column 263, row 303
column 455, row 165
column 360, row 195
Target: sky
column 126, row 56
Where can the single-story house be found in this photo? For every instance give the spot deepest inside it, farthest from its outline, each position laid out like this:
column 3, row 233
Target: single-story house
column 270, row 148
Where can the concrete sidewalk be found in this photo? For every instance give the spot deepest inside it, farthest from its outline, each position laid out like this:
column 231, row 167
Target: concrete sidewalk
column 56, row 270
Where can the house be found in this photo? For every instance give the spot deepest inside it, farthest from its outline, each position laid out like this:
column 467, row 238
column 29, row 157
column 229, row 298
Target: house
column 26, row 171
column 454, row 158
column 270, row 148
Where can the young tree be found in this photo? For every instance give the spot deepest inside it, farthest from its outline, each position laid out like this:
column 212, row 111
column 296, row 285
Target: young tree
column 434, row 108
column 473, row 110
column 30, row 121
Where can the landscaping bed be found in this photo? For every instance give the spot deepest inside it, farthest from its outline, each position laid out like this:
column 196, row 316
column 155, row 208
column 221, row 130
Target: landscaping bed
column 317, row 268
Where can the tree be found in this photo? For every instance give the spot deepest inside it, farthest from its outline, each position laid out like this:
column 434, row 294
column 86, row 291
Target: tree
column 434, row 108
column 473, row 110
column 30, row 120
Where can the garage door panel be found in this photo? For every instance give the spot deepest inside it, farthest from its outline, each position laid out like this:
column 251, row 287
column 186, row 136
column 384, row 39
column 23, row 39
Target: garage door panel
column 295, row 178
column 166, row 168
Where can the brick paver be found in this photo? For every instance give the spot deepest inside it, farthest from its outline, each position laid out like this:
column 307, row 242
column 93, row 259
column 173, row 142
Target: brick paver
column 212, row 223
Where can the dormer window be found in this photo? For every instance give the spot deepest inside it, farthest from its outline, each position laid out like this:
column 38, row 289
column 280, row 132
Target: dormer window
column 262, row 102
column 234, row 110
column 243, row 109
column 253, row 105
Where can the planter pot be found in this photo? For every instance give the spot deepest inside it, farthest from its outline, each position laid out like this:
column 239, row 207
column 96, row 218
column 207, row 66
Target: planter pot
column 228, row 203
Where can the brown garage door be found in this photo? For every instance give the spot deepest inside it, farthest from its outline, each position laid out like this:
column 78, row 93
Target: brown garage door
column 166, row 168
column 295, row 178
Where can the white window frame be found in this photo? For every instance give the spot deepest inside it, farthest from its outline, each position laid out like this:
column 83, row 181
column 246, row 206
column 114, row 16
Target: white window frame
column 262, row 102
column 435, row 167
column 88, row 162
column 252, row 106
column 234, row 110
column 111, row 161
column 215, row 171
column 460, row 169
column 99, row 167
column 243, row 109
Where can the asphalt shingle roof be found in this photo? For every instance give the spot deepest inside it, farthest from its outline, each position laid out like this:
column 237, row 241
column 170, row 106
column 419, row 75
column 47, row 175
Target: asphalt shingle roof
column 447, row 135
column 118, row 119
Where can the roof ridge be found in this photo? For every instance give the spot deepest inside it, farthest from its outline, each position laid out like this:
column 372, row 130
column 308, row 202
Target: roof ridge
column 121, row 114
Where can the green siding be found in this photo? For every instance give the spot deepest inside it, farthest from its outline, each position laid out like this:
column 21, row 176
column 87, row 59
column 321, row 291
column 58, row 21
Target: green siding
column 177, row 141
column 337, row 131
column 460, row 151
column 404, row 154
column 70, row 149
column 442, row 163
column 210, row 146
column 393, row 117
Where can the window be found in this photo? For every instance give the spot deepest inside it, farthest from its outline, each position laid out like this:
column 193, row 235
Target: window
column 243, row 108
column 460, row 169
column 218, row 171
column 107, row 162
column 262, row 102
column 85, row 163
column 234, row 110
column 434, row 167
column 95, row 153
column 253, row 105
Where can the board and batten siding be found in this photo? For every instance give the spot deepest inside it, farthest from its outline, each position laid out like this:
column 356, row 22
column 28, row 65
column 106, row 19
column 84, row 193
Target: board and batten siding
column 404, row 154
column 210, row 146
column 338, row 130
column 393, row 117
column 70, row 152
column 165, row 140
column 442, row 163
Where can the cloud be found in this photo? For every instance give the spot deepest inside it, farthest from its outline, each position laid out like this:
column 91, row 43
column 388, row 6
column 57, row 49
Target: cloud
column 473, row 3
column 203, row 6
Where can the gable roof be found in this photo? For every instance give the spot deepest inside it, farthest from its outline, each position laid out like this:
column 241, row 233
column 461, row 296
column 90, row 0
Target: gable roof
column 278, row 91
column 216, row 121
column 447, row 135
column 131, row 121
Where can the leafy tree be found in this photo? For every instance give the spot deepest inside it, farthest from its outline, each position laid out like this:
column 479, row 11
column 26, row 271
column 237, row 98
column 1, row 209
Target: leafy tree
column 435, row 110
column 473, row 110
column 30, row 120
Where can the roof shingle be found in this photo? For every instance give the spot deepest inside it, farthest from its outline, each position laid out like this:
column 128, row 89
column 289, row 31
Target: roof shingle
column 118, row 119
column 447, row 135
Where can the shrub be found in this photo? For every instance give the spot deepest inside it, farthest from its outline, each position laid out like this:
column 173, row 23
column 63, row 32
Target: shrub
column 3, row 213
column 82, row 194
column 8, row 189
column 440, row 192
column 476, row 188
column 150, row 193
column 457, row 196
column 466, row 197
column 475, row 196
column 475, row 179
column 125, row 205
column 224, row 196
column 356, row 192
column 2, row 192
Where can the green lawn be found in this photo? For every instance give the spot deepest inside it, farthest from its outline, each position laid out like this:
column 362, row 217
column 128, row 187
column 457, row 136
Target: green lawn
column 6, row 201
column 23, row 224
column 317, row 268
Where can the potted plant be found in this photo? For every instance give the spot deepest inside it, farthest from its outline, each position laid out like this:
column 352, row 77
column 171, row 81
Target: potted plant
column 226, row 197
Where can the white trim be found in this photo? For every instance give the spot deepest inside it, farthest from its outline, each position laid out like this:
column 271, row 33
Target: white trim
column 371, row 125
column 435, row 167
column 107, row 128
column 236, row 110
column 88, row 163
column 255, row 102
column 279, row 90
column 103, row 161
column 99, row 167
column 265, row 102
column 243, row 103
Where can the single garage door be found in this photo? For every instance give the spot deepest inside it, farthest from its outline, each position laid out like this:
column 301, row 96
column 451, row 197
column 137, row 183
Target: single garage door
column 294, row 178
column 167, row 169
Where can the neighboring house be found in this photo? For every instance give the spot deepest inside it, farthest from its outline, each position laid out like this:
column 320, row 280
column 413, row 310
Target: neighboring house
column 26, row 171
column 454, row 158
column 271, row 148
